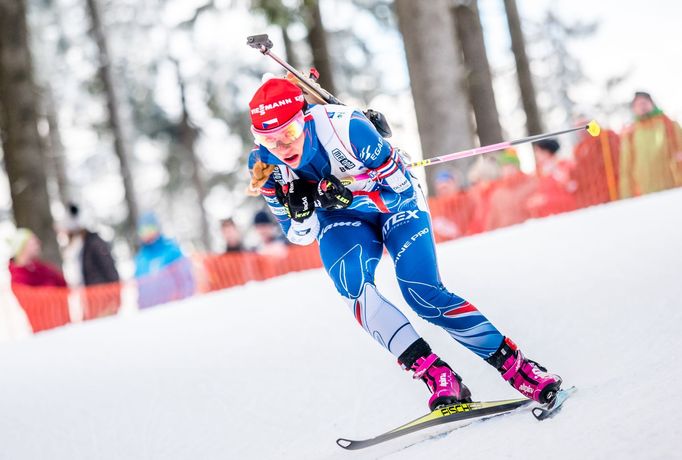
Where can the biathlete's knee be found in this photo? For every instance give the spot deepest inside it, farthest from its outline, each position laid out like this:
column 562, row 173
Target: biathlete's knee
column 382, row 320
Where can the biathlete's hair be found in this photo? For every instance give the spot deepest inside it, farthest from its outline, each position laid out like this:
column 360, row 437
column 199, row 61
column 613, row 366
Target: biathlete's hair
column 260, row 173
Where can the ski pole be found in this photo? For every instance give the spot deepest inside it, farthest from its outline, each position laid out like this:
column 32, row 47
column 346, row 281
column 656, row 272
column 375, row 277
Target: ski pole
column 263, row 44
column 592, row 128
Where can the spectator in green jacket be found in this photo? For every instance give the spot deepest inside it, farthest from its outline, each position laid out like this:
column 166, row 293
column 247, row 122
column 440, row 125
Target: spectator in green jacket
column 651, row 150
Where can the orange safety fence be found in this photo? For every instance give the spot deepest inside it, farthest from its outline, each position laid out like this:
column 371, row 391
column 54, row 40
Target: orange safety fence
column 45, row 307
column 233, row 269
column 48, row 307
column 100, row 300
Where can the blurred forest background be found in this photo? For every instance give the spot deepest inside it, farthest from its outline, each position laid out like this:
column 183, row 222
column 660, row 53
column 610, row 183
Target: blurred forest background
column 128, row 105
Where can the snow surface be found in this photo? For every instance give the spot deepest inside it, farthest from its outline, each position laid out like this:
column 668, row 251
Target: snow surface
column 594, row 295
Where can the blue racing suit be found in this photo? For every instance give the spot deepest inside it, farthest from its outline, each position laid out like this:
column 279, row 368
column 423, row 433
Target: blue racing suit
column 389, row 211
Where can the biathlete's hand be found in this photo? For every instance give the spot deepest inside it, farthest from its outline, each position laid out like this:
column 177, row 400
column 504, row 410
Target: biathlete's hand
column 332, row 194
column 298, row 199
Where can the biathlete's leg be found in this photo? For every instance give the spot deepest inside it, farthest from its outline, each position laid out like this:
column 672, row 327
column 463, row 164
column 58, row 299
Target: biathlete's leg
column 409, row 240
column 350, row 248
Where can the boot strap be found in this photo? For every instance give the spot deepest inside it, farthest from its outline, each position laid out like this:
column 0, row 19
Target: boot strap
column 424, row 366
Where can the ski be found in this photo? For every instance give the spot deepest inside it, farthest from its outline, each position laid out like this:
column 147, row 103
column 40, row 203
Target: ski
column 479, row 410
column 442, row 415
column 544, row 412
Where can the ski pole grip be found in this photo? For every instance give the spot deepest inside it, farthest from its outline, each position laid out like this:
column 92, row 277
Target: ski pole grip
column 261, row 42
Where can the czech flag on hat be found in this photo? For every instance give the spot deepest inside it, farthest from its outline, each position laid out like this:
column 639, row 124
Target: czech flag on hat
column 275, row 103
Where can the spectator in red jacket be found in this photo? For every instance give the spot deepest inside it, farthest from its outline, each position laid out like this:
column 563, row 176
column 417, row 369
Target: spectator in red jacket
column 509, row 197
column 483, row 176
column 36, row 284
column 555, row 183
column 451, row 208
column 26, row 268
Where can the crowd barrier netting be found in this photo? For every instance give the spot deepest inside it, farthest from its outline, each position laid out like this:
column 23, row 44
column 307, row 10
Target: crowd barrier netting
column 484, row 207
column 233, row 269
column 45, row 307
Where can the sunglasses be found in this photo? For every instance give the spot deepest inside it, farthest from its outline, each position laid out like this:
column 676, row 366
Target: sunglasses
column 282, row 137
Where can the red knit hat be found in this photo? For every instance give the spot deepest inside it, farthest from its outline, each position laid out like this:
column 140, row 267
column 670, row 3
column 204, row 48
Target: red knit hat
column 275, row 103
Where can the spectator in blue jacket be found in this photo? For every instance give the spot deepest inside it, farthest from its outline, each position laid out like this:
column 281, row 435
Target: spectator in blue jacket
column 162, row 271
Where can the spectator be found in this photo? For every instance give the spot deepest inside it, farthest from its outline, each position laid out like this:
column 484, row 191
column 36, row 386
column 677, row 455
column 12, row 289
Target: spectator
column 231, row 235
column 26, row 268
column 447, row 182
column 555, row 187
column 30, row 276
column 162, row 271
column 451, row 207
column 508, row 199
column 596, row 166
column 272, row 241
column 236, row 265
column 482, row 175
column 93, row 265
column 651, row 150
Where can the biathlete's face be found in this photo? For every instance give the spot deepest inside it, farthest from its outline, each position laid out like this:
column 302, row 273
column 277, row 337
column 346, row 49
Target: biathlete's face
column 285, row 142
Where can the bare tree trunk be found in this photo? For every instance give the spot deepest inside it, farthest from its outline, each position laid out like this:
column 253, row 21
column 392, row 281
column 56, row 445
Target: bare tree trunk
column 437, row 78
column 481, row 94
column 188, row 136
column 113, row 105
column 281, row 15
column 528, row 97
column 317, row 38
column 55, row 158
column 22, row 146
column 292, row 58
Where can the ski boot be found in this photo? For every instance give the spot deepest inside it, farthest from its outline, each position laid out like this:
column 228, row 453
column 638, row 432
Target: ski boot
column 445, row 385
column 528, row 377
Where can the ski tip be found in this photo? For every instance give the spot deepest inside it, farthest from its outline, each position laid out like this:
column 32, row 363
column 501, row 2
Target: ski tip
column 345, row 443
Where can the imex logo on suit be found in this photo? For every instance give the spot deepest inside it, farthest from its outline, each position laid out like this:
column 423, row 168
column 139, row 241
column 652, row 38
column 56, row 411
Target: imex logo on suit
column 398, row 219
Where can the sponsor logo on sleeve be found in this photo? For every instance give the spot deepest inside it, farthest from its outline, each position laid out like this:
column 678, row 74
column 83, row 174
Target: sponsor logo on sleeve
column 369, row 155
column 346, row 164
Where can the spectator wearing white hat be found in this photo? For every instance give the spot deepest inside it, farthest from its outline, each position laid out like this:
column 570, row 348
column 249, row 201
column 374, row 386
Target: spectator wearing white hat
column 25, row 266
column 92, row 254
column 91, row 265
